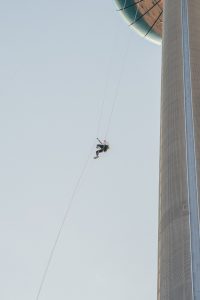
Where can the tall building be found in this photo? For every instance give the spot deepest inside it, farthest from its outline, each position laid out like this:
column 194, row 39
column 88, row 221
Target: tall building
column 176, row 24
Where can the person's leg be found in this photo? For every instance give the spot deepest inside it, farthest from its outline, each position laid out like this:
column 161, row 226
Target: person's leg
column 101, row 150
column 97, row 154
column 98, row 151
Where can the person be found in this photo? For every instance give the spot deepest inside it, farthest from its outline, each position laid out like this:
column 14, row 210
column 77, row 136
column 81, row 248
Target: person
column 102, row 147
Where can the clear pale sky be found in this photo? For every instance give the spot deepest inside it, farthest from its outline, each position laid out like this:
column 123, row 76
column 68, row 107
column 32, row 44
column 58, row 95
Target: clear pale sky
column 54, row 59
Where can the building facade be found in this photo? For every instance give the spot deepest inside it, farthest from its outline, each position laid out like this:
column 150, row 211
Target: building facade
column 179, row 236
column 179, row 203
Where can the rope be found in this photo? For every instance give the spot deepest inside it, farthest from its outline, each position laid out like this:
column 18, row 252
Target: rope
column 125, row 1
column 117, row 34
column 104, row 92
column 115, row 98
column 120, row 77
column 136, row 12
column 108, row 70
column 67, row 210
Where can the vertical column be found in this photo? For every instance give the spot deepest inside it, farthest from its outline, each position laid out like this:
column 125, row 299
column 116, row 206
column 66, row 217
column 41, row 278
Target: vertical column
column 178, row 178
column 189, row 11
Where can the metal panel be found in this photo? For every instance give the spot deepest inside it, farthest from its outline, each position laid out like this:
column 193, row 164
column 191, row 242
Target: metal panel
column 174, row 259
column 191, row 154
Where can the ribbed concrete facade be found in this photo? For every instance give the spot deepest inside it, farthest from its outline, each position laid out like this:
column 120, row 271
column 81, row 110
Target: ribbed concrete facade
column 179, row 240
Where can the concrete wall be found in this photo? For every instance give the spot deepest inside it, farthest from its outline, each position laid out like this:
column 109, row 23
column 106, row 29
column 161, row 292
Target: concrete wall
column 178, row 179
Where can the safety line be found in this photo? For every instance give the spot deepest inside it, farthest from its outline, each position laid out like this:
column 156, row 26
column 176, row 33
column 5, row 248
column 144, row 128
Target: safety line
column 116, row 91
column 117, row 34
column 119, row 82
column 67, row 210
column 103, row 98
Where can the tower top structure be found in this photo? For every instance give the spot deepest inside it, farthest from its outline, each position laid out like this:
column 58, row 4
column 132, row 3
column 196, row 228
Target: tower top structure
column 144, row 16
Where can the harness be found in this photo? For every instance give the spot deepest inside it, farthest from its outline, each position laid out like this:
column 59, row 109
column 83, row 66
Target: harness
column 105, row 148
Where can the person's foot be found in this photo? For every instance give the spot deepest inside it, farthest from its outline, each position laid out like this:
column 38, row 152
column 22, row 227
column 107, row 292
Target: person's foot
column 96, row 157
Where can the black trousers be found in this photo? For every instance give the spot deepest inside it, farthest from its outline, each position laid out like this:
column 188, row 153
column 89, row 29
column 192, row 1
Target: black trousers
column 101, row 149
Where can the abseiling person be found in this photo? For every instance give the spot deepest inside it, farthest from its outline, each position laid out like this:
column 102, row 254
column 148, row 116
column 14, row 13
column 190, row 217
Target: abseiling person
column 102, row 147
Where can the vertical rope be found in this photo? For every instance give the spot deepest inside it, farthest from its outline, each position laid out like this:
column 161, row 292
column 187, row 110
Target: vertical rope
column 107, row 80
column 105, row 87
column 116, row 94
column 67, row 210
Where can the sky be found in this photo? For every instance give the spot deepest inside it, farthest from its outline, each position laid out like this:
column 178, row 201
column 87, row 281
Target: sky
column 59, row 61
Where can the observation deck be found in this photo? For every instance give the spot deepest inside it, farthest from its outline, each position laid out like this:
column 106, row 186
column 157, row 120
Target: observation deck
column 144, row 16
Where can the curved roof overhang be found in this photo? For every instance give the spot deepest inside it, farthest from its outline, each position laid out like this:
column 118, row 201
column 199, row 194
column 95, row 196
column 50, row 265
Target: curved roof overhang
column 144, row 16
